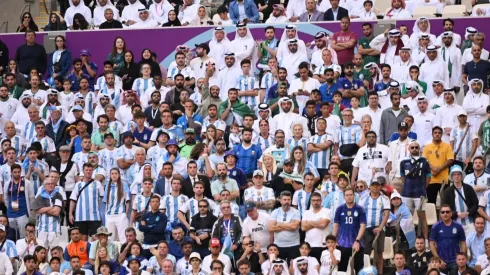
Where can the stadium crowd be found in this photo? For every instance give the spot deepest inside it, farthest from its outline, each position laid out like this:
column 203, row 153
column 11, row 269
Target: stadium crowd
column 249, row 156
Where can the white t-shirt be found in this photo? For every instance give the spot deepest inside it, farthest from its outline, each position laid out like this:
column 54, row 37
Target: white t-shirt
column 312, row 264
column 326, row 261
column 258, row 230
column 315, row 236
column 368, row 159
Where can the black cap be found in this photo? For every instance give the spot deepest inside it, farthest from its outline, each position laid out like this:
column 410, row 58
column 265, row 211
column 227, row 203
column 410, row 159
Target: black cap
column 250, row 205
column 375, row 183
column 381, row 180
column 127, row 134
column 343, row 176
column 203, row 46
column 109, row 134
column 288, row 162
column 37, row 145
column 403, row 125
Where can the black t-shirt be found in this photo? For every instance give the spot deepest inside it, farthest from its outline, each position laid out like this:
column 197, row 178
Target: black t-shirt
column 478, row 70
column 203, row 225
column 112, row 25
column 419, row 263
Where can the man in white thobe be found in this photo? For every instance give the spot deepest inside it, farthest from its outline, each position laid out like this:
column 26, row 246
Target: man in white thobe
column 451, row 55
column 400, row 71
column 286, row 118
column 433, row 68
column 421, row 25
column 419, row 53
column 188, row 12
column 77, row 6
column 290, row 32
column 423, row 121
column 130, row 13
column 159, row 11
column 292, row 59
column 448, row 27
column 145, row 20
column 389, row 45
column 244, row 45
column 475, row 103
column 219, row 45
column 447, row 115
column 227, row 78
column 397, row 11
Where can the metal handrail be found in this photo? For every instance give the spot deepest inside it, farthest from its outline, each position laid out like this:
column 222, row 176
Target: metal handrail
column 6, row 23
column 24, row 9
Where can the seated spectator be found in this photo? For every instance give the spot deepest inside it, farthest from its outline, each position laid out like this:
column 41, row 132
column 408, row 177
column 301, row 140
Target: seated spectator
column 278, row 15
column 110, row 22
column 101, row 11
column 311, row 14
column 172, row 21
column 30, row 266
column 27, row 23
column 223, row 18
column 201, row 18
column 77, row 248
column 80, row 23
column 145, row 20
column 56, row 23
column 188, row 12
column 216, row 254
column 397, row 10
column 77, row 7
column 335, row 13
column 251, row 12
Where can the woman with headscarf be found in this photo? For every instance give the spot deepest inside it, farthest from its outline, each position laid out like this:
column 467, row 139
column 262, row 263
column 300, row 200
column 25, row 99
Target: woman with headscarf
column 14, row 69
column 202, row 18
column 27, row 23
column 55, row 23
column 102, row 6
column 146, row 59
column 398, row 10
column 173, row 20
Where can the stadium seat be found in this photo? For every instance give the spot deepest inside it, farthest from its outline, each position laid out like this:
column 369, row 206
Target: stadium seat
column 431, row 214
column 382, row 6
column 423, row 11
column 468, row 4
column 454, row 11
column 261, row 17
column 65, row 237
column 480, row 6
column 388, row 252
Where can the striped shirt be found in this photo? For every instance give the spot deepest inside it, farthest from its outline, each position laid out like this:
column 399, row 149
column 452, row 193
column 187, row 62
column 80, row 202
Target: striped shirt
column 173, row 71
column 268, row 80
column 171, row 205
column 140, row 85
column 309, row 167
column 28, row 131
column 374, row 209
column 90, row 99
column 264, row 143
column 80, row 159
column 348, row 135
column 87, row 204
column 140, row 203
column 113, row 205
column 321, row 159
column 48, row 223
column 460, row 205
column 126, row 154
column 259, row 195
column 116, row 126
column 329, row 187
column 36, row 181
column 301, row 199
column 107, row 160
column 9, row 249
column 219, row 124
column 456, row 136
column 6, row 175
column 303, row 142
column 46, row 142
column 245, row 83
column 155, row 154
column 335, row 199
column 19, row 144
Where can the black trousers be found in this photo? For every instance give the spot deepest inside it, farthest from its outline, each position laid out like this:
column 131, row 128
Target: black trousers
column 289, row 253
column 317, row 252
column 432, row 191
column 346, row 253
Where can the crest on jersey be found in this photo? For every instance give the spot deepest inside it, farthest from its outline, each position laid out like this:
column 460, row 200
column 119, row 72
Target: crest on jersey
column 348, row 213
column 355, row 214
column 455, row 230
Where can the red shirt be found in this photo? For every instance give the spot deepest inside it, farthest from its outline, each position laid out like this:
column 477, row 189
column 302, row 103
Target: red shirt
column 346, row 55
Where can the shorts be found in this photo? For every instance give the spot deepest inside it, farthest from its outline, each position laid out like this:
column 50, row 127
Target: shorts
column 88, row 228
column 369, row 238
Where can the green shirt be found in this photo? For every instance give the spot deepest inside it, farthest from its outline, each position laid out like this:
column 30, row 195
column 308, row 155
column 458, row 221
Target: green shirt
column 364, row 42
column 363, row 74
column 422, row 84
column 185, row 149
column 98, row 137
column 217, row 186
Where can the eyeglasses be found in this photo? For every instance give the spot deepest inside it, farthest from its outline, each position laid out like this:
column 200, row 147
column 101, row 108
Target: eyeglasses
column 27, row 16
column 445, row 212
column 360, row 187
column 414, row 147
column 203, row 206
column 217, row 268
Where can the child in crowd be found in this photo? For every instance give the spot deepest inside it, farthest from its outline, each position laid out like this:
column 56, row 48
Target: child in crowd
column 235, row 136
column 330, row 257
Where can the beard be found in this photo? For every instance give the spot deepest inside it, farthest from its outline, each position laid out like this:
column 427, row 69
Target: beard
column 222, row 175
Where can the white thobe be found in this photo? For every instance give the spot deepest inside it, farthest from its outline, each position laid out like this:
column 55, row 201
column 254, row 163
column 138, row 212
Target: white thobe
column 284, row 121
column 283, row 50
column 398, row 14
column 433, row 70
column 218, row 50
column 188, row 14
column 436, row 100
column 422, row 126
column 228, row 79
column 308, row 86
column 447, row 117
column 456, row 39
column 148, row 23
column 389, row 56
column 411, row 103
column 82, row 9
column 291, row 62
column 453, row 54
column 130, row 12
column 295, row 8
column 317, row 59
column 324, row 6
column 413, row 4
column 281, row 19
column 400, row 71
column 418, row 55
column 476, row 107
column 414, row 39
column 468, row 56
column 159, row 12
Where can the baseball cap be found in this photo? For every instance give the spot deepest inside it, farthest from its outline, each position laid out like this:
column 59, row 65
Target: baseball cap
column 258, row 173
column 127, row 134
column 395, row 195
column 109, row 134
column 204, row 46
column 462, row 112
column 194, row 255
column 65, row 148
column 375, row 182
column 402, row 125
column 85, row 52
column 103, row 231
column 214, row 242
column 171, row 142
column 250, row 205
column 190, row 131
column 288, row 162
column 77, row 108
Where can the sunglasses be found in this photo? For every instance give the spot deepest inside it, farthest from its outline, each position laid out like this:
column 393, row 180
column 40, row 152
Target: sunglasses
column 414, row 147
column 445, row 212
column 27, row 17
column 360, row 187
column 203, row 206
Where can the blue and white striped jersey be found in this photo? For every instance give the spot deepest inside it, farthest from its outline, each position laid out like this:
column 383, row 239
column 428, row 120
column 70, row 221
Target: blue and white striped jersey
column 48, row 223
column 303, row 142
column 80, row 159
column 321, row 159
column 268, row 80
column 19, row 144
column 6, row 175
column 348, row 135
column 127, row 154
column 139, row 204
column 9, row 249
column 456, row 136
column 36, row 181
column 90, row 99
column 117, row 126
column 259, row 195
column 245, row 83
column 460, row 206
column 113, row 205
column 140, row 85
column 484, row 202
column 155, row 154
column 46, row 142
column 28, row 131
column 173, row 71
column 108, row 160
column 171, row 205
column 301, row 200
column 374, row 209
column 264, row 143
column 87, row 204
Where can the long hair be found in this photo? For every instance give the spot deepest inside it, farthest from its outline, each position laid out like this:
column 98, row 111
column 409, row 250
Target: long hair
column 126, row 64
column 36, row 251
column 32, row 24
column 114, row 49
column 98, row 260
column 302, row 161
column 82, row 22
column 120, row 192
column 196, row 151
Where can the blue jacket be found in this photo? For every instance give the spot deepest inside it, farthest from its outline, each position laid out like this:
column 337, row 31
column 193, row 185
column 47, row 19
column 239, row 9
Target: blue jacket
column 65, row 61
column 250, row 10
column 154, row 227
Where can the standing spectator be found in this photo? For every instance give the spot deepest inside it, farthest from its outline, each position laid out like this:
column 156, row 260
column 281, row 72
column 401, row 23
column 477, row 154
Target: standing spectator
column 392, row 117
column 369, row 54
column 201, row 228
column 462, row 199
column 224, row 182
column 59, row 61
column 247, row 153
column 335, row 13
column 31, row 55
column 476, row 68
column 48, row 222
column 463, row 141
column 315, row 223
column 250, row 12
column 440, row 156
column 377, row 207
column 447, row 238
column 284, row 223
column 153, row 223
column 344, row 42
column 262, row 197
column 349, row 228
column 256, row 226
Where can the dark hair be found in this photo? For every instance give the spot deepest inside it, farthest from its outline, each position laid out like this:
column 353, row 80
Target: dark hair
column 371, row 132
column 282, row 69
column 445, row 205
column 132, row 57
column 272, row 245
column 212, row 105
column 245, row 61
column 29, row 224
column 222, row 9
column 76, row 60
column 62, row 37
column 102, row 116
column 88, row 165
column 32, row 25
column 217, row 262
column 30, row 258
column 394, row 94
column 480, row 158
column 331, row 238
column 436, row 128
column 367, row 2
column 304, row 65
column 269, row 28
column 54, row 259
column 310, row 102
column 446, row 20
column 82, row 22
column 372, row 93
column 315, row 194
column 384, row 65
column 247, row 130
column 15, row 166
column 243, row 262
column 414, row 67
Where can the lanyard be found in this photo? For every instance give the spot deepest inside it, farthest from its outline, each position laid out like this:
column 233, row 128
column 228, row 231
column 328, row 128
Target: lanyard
column 154, row 114
column 12, row 189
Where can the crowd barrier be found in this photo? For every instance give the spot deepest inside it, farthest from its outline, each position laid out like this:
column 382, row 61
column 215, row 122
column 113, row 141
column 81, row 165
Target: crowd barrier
column 163, row 41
